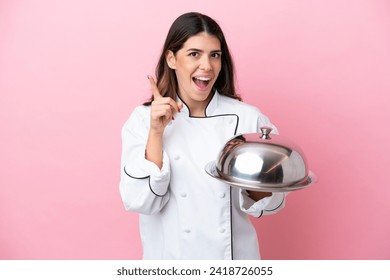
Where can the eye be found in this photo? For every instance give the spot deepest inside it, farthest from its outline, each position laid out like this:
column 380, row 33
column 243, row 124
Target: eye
column 193, row 54
column 216, row 55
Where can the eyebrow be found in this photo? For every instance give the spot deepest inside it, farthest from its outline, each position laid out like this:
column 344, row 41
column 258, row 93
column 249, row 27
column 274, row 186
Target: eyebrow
column 198, row 50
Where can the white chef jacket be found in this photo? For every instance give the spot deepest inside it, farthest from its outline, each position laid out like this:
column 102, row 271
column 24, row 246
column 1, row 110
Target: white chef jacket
column 184, row 212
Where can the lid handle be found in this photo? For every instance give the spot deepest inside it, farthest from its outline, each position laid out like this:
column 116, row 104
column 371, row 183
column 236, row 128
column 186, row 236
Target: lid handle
column 265, row 130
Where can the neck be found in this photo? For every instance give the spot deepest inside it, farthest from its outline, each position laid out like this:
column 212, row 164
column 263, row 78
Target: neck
column 197, row 108
column 197, row 112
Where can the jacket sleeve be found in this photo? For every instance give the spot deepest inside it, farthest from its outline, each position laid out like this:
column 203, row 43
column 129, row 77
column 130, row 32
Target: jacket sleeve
column 143, row 186
column 267, row 205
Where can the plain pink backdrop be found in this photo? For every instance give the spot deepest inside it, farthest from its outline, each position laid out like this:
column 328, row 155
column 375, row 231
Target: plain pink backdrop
column 72, row 71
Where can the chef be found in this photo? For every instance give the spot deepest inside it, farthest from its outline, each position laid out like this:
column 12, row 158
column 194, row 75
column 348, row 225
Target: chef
column 166, row 143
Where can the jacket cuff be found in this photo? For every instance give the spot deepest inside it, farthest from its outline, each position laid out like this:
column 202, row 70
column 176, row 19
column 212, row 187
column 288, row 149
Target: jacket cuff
column 145, row 169
column 159, row 178
column 257, row 208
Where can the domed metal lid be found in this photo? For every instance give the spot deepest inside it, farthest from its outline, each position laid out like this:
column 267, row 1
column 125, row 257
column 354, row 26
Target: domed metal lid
column 262, row 162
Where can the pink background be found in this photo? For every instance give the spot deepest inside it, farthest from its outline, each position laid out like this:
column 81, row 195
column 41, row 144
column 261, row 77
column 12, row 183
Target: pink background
column 72, row 71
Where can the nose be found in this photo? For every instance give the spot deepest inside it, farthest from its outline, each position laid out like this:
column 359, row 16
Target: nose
column 205, row 64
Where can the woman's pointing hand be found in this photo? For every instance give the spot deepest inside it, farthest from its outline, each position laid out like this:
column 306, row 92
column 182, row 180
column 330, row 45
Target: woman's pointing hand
column 162, row 109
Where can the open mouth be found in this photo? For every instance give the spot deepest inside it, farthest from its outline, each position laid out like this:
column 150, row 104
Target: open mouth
column 201, row 82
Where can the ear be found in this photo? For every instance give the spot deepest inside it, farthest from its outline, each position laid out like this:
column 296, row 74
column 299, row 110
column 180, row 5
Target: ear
column 171, row 59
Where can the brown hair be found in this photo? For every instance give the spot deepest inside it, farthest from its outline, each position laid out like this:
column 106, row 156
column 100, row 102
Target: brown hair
column 184, row 27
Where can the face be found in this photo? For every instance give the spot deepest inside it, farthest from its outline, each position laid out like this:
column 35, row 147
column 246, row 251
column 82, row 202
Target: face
column 197, row 65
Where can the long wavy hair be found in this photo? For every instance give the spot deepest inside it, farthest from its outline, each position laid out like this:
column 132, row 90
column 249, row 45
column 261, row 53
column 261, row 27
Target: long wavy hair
column 184, row 27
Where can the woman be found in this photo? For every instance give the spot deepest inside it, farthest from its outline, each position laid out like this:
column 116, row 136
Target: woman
column 194, row 110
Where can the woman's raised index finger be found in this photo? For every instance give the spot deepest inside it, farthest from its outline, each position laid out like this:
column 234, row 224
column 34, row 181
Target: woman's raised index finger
column 153, row 85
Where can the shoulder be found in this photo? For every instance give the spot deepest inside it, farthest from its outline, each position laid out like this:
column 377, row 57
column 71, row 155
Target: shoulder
column 141, row 111
column 250, row 116
column 239, row 107
column 140, row 115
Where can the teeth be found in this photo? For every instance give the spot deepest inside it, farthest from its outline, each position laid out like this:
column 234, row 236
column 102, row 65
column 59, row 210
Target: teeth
column 203, row 78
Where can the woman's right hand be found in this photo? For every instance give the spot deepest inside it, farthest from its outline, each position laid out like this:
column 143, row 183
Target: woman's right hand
column 161, row 113
column 162, row 109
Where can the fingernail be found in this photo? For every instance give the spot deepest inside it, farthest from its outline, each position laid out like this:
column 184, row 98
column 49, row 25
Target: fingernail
column 173, row 118
column 178, row 109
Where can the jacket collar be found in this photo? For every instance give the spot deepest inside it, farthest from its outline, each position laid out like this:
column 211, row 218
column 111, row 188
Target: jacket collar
column 210, row 107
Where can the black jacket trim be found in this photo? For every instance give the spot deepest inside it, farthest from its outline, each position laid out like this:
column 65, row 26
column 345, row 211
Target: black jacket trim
column 261, row 214
column 213, row 116
column 205, row 108
column 225, row 115
column 234, row 134
column 146, row 177
column 276, row 206
column 231, row 224
column 124, row 169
